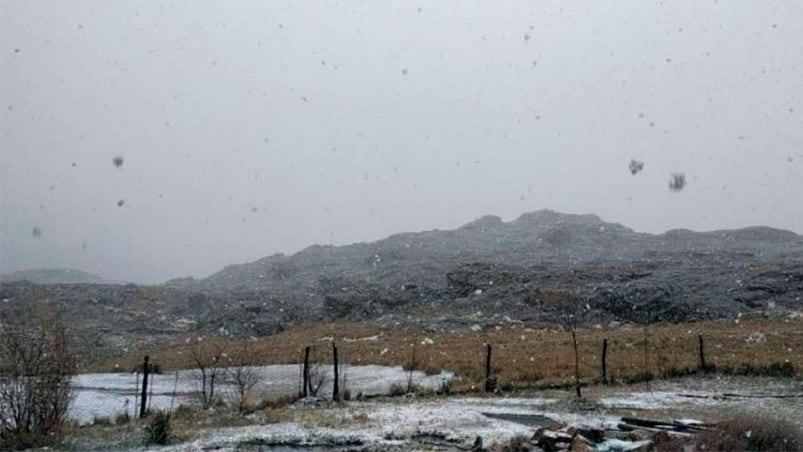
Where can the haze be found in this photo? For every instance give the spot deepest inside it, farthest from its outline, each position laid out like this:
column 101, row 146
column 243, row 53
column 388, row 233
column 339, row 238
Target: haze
column 249, row 128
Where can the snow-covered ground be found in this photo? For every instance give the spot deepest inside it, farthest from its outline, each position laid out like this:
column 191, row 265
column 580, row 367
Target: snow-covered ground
column 418, row 423
column 403, row 422
column 400, row 421
column 107, row 395
column 734, row 395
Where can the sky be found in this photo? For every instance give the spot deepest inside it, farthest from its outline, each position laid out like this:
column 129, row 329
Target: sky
column 248, row 128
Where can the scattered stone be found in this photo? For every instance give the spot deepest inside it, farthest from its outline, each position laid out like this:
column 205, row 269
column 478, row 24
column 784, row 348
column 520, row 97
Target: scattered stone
column 579, row 444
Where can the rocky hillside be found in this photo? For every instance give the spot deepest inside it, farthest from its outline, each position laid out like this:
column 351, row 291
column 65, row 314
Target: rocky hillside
column 506, row 268
column 537, row 268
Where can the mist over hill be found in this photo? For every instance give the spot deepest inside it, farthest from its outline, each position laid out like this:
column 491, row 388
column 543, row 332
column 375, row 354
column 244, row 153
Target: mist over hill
column 56, row 276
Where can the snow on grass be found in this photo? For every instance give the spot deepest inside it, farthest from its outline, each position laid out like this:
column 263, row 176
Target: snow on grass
column 400, row 421
column 106, row 395
column 658, row 400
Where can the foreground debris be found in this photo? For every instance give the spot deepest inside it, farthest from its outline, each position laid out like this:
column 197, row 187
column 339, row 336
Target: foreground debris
column 632, row 434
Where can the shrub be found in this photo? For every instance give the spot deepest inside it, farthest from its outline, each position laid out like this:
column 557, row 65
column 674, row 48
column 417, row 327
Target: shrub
column 279, row 402
column 36, row 368
column 122, row 418
column 432, row 369
column 400, row 389
column 159, row 428
column 397, row 389
column 410, row 366
column 747, row 433
column 183, row 411
column 101, row 420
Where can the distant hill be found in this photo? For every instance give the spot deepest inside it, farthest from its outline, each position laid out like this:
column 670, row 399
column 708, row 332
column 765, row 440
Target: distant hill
column 56, row 276
column 533, row 238
column 489, row 268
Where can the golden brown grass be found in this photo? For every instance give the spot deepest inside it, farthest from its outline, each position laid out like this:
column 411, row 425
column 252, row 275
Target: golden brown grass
column 524, row 355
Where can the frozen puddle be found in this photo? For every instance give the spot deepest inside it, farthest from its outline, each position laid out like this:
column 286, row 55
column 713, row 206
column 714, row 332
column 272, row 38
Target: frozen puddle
column 107, row 395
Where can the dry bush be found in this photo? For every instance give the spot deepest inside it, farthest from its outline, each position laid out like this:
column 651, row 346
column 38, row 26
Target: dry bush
column 278, row 402
column 400, row 389
column 159, row 428
column 36, row 369
column 410, row 367
column 397, row 389
column 122, row 418
column 244, row 377
column 745, row 433
column 210, row 362
column 317, row 378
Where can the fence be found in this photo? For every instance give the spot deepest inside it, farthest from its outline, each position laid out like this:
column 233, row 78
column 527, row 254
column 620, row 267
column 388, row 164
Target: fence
column 517, row 355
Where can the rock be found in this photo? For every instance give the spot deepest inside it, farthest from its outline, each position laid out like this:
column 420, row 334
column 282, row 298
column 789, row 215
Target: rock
column 617, row 434
column 477, row 447
column 551, row 440
column 616, row 445
column 593, row 434
column 640, row 435
column 661, row 438
column 579, row 444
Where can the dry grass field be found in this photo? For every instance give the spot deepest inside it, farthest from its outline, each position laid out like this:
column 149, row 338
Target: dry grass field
column 523, row 355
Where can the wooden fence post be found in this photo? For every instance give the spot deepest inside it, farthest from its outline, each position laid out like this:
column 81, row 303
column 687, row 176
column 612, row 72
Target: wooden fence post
column 144, row 398
column 336, row 384
column 306, row 372
column 702, row 353
column 647, row 376
column 489, row 381
column 604, row 374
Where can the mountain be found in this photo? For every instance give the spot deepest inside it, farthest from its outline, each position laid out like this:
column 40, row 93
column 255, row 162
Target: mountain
column 510, row 268
column 536, row 268
column 55, row 276
column 531, row 239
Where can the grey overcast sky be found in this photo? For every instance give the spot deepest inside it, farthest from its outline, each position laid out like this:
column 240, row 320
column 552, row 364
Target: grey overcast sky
column 254, row 127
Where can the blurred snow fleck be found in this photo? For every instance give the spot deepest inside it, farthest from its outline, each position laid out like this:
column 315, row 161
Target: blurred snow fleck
column 635, row 166
column 677, row 182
